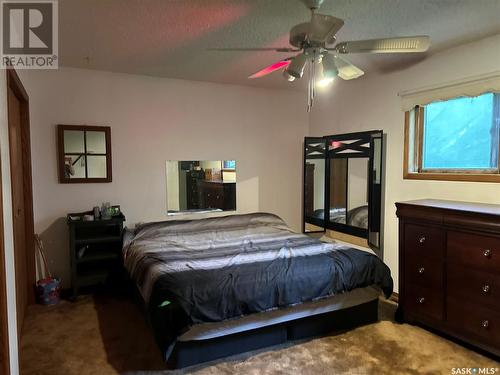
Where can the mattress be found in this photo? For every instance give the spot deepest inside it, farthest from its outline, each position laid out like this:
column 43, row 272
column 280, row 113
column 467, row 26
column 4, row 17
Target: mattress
column 205, row 331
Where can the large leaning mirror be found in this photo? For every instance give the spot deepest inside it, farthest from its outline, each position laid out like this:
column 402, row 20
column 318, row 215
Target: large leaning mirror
column 343, row 178
column 200, row 186
column 84, row 153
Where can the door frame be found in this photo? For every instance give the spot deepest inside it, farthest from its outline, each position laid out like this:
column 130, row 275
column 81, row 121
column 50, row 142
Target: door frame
column 14, row 84
column 4, row 326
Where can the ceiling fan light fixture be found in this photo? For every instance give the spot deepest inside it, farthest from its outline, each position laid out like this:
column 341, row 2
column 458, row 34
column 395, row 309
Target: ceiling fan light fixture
column 296, row 67
column 288, row 76
column 325, row 82
column 330, row 70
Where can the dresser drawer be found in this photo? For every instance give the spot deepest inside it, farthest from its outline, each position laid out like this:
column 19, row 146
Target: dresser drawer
column 424, row 301
column 475, row 286
column 424, row 271
column 474, row 250
column 474, row 319
column 422, row 240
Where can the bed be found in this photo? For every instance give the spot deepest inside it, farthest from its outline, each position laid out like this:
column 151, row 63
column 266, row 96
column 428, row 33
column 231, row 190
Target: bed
column 214, row 287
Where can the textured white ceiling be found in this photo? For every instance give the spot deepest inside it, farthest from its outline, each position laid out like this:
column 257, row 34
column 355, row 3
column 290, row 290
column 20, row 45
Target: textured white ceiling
column 169, row 38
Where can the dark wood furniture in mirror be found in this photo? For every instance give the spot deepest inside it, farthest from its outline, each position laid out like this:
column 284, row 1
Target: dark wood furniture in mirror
column 84, row 154
column 343, row 177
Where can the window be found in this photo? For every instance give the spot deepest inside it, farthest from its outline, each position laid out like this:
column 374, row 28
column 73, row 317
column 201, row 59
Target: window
column 456, row 139
column 229, row 164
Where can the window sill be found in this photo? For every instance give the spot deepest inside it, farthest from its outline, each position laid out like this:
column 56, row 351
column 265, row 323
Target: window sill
column 465, row 177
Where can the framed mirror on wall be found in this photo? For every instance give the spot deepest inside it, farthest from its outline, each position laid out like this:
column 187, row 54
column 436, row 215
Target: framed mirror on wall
column 200, row 186
column 343, row 178
column 84, row 154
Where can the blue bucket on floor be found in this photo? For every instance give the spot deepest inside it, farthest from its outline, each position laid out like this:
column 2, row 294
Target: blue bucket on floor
column 47, row 291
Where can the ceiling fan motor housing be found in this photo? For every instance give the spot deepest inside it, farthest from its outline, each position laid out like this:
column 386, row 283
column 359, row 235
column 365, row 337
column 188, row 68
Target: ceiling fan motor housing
column 313, row 4
column 299, row 36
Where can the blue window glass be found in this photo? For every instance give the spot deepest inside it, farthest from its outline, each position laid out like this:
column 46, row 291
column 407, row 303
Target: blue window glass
column 229, row 164
column 461, row 133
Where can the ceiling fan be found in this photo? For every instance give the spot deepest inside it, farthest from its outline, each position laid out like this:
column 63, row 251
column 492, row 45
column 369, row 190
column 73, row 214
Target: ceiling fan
column 315, row 42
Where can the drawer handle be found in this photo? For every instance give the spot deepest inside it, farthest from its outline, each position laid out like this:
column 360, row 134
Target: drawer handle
column 421, row 300
column 486, row 288
column 487, row 253
column 485, row 324
column 421, row 270
column 421, row 239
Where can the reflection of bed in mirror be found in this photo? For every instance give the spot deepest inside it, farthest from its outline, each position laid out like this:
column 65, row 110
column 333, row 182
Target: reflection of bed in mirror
column 357, row 217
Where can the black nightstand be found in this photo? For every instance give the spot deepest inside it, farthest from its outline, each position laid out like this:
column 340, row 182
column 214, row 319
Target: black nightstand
column 95, row 250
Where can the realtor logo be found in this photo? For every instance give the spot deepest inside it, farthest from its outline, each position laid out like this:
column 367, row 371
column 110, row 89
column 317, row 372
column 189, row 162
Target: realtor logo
column 29, row 34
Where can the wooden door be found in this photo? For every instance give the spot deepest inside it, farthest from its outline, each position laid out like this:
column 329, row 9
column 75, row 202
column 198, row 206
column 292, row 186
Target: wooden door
column 18, row 208
column 22, row 198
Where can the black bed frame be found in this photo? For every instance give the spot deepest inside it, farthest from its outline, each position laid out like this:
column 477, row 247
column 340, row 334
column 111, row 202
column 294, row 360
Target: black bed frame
column 188, row 353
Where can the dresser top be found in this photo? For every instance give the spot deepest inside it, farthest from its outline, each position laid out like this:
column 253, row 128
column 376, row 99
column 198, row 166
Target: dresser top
column 481, row 208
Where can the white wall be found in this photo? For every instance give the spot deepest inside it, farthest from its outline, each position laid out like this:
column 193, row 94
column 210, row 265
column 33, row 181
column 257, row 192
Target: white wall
column 8, row 225
column 173, row 199
column 371, row 102
column 154, row 120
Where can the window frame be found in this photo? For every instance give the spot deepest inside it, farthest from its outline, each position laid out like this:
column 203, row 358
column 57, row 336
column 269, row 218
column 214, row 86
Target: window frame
column 413, row 155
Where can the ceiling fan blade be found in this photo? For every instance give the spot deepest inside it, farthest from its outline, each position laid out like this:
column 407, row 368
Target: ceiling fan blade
column 273, row 49
column 272, row 68
column 346, row 69
column 323, row 28
column 389, row 45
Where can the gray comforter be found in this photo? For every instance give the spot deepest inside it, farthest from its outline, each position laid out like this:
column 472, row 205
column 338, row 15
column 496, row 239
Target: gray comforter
column 219, row 268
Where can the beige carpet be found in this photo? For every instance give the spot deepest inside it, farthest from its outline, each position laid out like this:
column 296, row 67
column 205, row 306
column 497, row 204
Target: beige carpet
column 103, row 335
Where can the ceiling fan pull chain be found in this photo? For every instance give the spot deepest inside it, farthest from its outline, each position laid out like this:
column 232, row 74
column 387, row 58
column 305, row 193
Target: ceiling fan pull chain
column 313, row 80
column 308, row 93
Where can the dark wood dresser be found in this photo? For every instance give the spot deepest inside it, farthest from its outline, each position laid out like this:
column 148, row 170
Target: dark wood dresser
column 192, row 179
column 449, row 269
column 217, row 194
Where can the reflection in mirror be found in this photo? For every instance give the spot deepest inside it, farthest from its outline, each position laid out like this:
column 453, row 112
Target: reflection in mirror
column 96, row 166
column 74, row 166
column 314, row 191
column 357, row 188
column 376, row 194
column 338, row 190
column 200, row 186
column 74, row 141
column 314, row 185
column 96, row 142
